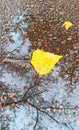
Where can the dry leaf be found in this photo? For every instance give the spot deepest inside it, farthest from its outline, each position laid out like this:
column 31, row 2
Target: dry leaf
column 67, row 25
column 43, row 62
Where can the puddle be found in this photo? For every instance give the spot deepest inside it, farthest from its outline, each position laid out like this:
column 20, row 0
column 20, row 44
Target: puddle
column 17, row 42
column 18, row 47
column 19, row 118
column 60, row 88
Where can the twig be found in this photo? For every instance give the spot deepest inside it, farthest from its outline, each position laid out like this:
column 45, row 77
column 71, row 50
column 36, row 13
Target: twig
column 15, row 61
column 36, row 120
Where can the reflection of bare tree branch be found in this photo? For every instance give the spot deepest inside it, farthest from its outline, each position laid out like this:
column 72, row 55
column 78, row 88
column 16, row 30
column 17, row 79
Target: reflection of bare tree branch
column 41, row 110
column 32, row 87
column 25, row 101
column 62, row 108
column 36, row 94
column 73, row 121
column 36, row 107
column 29, row 94
column 36, row 120
column 68, row 124
column 28, row 91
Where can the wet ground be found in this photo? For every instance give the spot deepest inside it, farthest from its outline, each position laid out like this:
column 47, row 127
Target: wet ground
column 29, row 101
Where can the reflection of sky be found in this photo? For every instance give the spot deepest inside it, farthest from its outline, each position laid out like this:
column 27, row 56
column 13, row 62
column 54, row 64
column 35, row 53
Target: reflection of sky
column 9, row 79
column 21, row 46
column 17, row 42
column 23, row 49
column 75, row 97
column 56, row 85
column 13, row 82
column 23, row 118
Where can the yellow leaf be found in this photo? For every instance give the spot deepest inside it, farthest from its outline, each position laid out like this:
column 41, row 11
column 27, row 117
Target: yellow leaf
column 67, row 25
column 43, row 62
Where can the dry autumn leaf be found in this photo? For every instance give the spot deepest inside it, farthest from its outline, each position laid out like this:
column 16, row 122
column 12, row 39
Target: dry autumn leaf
column 67, row 25
column 43, row 62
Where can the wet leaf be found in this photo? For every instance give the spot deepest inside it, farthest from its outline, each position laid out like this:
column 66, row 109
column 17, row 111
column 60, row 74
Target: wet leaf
column 43, row 62
column 0, row 104
column 67, row 25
